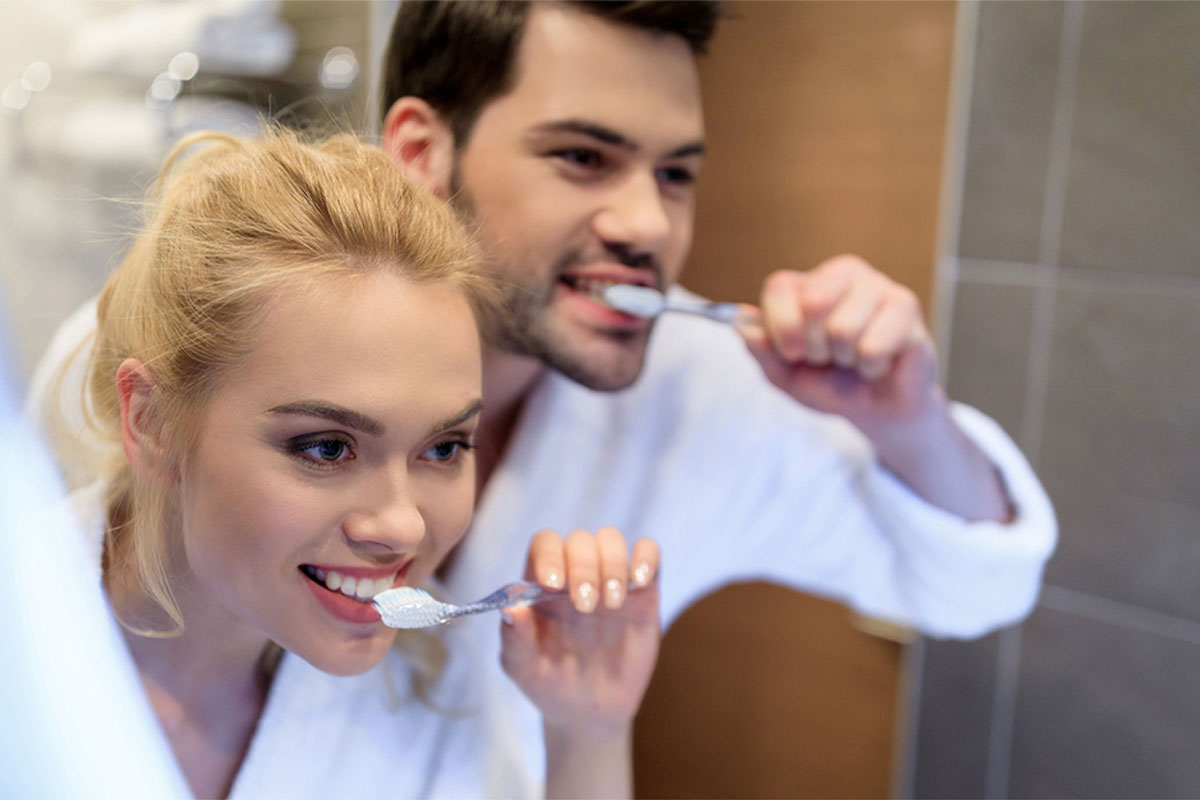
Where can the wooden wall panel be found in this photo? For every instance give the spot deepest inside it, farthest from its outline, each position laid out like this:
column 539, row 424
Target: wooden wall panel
column 825, row 126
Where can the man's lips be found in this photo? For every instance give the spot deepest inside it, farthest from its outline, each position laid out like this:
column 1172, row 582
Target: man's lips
column 585, row 290
column 581, row 278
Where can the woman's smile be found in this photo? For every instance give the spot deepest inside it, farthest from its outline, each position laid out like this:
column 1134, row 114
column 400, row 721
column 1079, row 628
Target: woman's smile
column 348, row 597
column 354, row 473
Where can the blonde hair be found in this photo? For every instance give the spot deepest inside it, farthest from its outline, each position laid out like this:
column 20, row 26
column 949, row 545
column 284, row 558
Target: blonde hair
column 230, row 222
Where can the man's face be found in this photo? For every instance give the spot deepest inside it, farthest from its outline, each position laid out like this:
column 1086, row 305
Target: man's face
column 580, row 177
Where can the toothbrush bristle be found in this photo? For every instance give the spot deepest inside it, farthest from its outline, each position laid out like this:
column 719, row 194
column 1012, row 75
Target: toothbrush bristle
column 641, row 301
column 406, row 607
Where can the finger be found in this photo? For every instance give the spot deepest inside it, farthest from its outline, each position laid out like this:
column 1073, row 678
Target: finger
column 783, row 317
column 827, row 285
column 749, row 321
column 894, row 327
column 583, row 570
column 645, row 562
column 614, row 565
column 759, row 343
column 518, row 642
column 547, row 560
column 849, row 318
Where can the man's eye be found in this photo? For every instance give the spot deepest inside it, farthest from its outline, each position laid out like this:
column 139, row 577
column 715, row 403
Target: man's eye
column 581, row 157
column 677, row 176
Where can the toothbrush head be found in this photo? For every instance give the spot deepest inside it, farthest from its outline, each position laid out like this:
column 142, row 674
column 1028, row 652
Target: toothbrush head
column 640, row 301
column 406, row 607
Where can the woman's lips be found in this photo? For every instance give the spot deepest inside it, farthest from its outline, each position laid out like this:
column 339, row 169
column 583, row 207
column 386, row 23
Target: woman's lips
column 341, row 594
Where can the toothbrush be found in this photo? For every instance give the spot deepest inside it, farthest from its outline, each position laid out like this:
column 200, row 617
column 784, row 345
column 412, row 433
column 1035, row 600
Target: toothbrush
column 406, row 607
column 642, row 301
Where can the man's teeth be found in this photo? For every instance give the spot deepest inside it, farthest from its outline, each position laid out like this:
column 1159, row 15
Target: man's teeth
column 358, row 588
column 593, row 288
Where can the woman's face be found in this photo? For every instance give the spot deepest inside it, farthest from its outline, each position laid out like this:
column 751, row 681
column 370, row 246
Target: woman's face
column 337, row 453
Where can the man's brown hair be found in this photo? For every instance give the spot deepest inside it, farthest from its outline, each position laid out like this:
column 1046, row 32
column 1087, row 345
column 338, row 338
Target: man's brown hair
column 458, row 55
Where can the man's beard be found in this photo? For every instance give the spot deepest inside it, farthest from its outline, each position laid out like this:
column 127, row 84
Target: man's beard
column 516, row 323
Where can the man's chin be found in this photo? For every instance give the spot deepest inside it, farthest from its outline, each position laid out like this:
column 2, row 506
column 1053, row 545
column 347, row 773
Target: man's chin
column 608, row 367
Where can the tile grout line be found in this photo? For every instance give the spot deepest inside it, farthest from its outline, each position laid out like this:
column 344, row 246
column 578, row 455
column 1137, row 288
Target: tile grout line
column 1054, row 205
column 1124, row 615
column 1004, row 711
column 988, row 272
column 1038, row 374
column 1008, row 659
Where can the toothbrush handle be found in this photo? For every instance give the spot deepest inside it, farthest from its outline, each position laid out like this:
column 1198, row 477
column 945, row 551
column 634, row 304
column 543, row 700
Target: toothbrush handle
column 723, row 312
column 727, row 313
column 508, row 596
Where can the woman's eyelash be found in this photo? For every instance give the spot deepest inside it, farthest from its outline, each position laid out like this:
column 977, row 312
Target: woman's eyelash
column 323, row 452
column 460, row 446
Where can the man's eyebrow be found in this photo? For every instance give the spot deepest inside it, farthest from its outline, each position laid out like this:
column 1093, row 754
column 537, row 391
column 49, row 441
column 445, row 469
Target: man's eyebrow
column 333, row 412
column 609, row 136
column 473, row 408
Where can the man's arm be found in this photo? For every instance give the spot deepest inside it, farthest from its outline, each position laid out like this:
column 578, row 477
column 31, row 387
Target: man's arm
column 846, row 339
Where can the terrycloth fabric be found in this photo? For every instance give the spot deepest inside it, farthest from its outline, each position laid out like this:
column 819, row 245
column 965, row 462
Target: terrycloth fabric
column 738, row 482
column 321, row 735
column 75, row 722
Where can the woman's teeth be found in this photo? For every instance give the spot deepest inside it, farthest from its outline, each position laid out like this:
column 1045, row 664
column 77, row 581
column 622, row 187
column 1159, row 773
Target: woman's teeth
column 362, row 589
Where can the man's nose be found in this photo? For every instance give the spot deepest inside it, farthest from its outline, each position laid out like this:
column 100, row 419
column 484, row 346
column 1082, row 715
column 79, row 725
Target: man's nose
column 387, row 518
column 634, row 216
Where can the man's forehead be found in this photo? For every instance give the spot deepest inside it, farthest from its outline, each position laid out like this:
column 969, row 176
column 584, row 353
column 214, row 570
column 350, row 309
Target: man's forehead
column 575, row 66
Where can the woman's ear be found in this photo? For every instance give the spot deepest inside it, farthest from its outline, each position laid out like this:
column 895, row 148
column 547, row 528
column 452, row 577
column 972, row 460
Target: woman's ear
column 142, row 435
column 421, row 144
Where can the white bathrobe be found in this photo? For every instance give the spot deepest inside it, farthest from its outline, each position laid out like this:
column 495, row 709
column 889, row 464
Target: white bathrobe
column 319, row 735
column 736, row 481
column 732, row 478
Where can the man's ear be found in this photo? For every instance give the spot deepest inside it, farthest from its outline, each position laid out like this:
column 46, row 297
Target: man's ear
column 421, row 143
column 142, row 434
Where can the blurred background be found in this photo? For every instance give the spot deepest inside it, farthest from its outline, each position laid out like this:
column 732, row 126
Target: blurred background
column 1031, row 169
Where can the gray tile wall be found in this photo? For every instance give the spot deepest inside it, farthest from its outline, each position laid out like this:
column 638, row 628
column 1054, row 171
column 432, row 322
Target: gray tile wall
column 1076, row 324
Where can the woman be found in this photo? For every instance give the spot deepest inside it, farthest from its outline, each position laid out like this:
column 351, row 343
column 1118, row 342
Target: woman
column 290, row 363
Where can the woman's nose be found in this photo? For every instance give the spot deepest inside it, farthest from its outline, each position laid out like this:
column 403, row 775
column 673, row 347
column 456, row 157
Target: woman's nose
column 388, row 517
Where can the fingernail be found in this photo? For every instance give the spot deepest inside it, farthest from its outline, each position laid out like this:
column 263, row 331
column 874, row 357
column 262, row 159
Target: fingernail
column 553, row 578
column 585, row 596
column 614, row 593
column 641, row 574
column 505, row 617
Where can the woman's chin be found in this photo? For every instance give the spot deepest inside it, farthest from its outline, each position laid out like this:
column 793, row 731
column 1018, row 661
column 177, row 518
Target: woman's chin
column 348, row 658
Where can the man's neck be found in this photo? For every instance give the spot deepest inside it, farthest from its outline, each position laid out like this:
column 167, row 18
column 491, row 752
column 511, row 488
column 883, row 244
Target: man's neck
column 507, row 381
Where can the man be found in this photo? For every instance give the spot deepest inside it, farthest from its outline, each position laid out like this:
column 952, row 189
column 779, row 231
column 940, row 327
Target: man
column 571, row 136
column 812, row 447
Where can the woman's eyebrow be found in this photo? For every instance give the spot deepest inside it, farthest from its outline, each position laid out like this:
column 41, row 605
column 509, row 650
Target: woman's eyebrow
column 333, row 412
column 473, row 408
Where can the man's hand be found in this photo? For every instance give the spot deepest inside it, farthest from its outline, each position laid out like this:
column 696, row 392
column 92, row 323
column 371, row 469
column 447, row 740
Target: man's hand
column 846, row 339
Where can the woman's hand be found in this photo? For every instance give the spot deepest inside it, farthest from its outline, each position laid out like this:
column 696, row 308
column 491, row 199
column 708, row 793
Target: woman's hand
column 585, row 660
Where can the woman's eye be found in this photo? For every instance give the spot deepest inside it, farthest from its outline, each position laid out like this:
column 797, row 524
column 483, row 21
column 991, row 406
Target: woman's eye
column 324, row 451
column 447, row 451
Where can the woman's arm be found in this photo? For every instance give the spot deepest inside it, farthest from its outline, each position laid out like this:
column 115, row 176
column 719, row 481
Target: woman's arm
column 585, row 660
